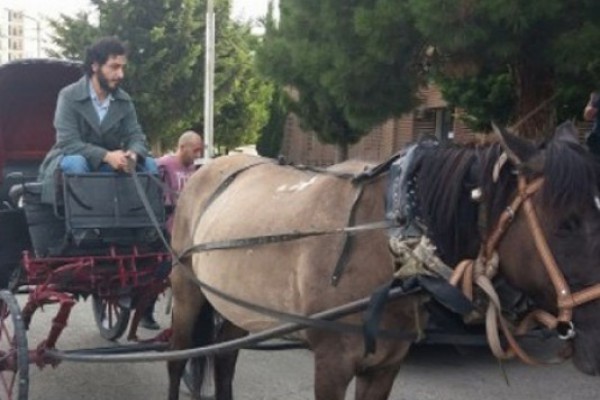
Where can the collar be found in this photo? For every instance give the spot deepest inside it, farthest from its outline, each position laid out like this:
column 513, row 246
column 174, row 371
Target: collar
column 94, row 95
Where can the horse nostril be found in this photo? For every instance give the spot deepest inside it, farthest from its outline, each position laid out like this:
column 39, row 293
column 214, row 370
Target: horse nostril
column 565, row 330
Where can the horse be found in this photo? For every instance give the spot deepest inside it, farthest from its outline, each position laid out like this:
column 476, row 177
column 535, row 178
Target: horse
column 244, row 196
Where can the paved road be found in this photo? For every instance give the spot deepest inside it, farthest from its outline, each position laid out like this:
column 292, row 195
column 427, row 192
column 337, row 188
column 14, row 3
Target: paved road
column 431, row 373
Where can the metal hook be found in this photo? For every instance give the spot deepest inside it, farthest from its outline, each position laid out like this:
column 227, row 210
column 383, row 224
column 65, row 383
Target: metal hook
column 565, row 330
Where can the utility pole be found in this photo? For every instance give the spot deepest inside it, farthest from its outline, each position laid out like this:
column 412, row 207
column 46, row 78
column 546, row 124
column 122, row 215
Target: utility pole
column 39, row 37
column 38, row 29
column 209, row 79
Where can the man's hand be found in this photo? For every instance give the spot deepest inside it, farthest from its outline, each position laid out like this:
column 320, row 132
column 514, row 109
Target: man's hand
column 117, row 159
column 130, row 155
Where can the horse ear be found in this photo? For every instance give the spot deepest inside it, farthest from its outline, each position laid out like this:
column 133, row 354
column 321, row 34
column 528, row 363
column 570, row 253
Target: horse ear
column 567, row 132
column 518, row 150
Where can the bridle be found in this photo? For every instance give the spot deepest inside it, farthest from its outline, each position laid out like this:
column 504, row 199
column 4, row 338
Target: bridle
column 481, row 270
column 566, row 299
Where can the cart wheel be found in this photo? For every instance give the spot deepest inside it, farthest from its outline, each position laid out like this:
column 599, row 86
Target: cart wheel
column 111, row 318
column 198, row 377
column 14, row 353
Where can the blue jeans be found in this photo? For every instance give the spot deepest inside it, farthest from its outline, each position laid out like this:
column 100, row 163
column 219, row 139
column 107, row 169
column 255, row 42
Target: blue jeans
column 77, row 164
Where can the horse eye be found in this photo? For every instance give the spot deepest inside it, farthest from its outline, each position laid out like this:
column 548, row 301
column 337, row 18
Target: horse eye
column 570, row 224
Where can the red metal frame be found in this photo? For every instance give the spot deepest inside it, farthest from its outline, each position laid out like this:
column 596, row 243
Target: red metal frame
column 61, row 280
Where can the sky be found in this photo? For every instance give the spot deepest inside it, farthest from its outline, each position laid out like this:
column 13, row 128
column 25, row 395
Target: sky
column 37, row 12
column 244, row 9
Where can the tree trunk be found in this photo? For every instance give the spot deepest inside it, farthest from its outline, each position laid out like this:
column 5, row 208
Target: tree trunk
column 342, row 152
column 536, row 113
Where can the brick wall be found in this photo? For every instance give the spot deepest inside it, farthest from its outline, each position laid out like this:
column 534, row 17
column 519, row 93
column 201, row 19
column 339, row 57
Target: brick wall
column 302, row 147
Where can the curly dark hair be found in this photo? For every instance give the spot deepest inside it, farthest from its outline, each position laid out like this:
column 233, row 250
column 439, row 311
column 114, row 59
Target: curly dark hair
column 100, row 51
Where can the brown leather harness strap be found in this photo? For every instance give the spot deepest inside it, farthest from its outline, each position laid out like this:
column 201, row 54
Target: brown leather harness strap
column 566, row 300
column 478, row 272
column 563, row 292
column 509, row 213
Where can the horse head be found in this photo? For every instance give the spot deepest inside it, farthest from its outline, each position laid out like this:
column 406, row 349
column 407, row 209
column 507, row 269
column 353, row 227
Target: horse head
column 551, row 248
column 538, row 208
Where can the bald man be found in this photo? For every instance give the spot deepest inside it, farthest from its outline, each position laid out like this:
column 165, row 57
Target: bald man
column 175, row 170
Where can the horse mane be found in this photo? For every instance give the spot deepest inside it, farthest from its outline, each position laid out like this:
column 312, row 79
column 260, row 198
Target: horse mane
column 447, row 174
column 571, row 177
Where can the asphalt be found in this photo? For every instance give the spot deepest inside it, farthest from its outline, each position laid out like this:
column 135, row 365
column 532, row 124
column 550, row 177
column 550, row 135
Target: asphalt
column 430, row 373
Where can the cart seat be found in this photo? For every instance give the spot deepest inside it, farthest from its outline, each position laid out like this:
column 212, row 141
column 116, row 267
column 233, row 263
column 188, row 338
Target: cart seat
column 47, row 230
column 16, row 192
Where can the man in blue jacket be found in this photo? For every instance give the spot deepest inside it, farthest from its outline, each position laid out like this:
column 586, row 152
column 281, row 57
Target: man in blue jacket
column 95, row 120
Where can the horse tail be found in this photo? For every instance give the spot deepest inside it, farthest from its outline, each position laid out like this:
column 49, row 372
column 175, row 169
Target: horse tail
column 204, row 334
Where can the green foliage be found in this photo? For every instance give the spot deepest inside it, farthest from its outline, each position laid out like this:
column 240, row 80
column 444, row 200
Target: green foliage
column 269, row 143
column 245, row 109
column 489, row 97
column 71, row 36
column 549, row 49
column 343, row 72
column 293, row 62
column 166, row 65
column 353, row 64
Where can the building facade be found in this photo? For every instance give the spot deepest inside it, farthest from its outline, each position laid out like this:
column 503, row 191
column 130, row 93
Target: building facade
column 21, row 35
column 12, row 35
column 432, row 117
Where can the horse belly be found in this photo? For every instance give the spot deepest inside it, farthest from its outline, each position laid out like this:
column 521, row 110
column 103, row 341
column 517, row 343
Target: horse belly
column 264, row 279
column 278, row 276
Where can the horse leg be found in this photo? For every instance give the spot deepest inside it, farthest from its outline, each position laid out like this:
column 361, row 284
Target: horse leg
column 376, row 383
column 333, row 371
column 225, row 363
column 374, row 380
column 189, row 305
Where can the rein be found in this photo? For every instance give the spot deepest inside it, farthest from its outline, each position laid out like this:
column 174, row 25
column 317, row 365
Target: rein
column 283, row 237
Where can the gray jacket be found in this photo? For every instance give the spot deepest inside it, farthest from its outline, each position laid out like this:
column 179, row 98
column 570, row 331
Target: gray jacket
column 79, row 131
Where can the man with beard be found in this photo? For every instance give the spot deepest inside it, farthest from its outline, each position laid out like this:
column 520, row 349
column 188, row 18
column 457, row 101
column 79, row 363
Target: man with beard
column 95, row 121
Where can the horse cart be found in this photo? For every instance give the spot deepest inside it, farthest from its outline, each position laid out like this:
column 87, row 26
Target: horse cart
column 96, row 240
column 519, row 224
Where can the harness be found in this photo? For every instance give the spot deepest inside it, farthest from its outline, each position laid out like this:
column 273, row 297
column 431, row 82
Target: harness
column 297, row 320
column 468, row 272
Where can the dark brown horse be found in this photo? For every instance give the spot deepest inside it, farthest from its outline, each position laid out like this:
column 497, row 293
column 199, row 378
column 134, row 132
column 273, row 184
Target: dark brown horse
column 257, row 197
